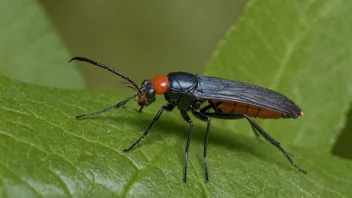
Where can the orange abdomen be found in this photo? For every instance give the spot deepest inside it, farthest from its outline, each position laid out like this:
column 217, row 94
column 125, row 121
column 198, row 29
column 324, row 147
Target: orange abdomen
column 250, row 110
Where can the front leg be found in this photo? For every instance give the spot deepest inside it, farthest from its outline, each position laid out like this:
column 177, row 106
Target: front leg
column 187, row 119
column 118, row 105
column 168, row 107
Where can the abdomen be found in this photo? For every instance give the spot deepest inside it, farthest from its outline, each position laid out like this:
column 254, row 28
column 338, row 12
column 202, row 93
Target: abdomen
column 249, row 110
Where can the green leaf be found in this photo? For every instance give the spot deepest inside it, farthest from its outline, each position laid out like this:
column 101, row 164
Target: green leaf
column 343, row 142
column 46, row 152
column 301, row 49
column 30, row 49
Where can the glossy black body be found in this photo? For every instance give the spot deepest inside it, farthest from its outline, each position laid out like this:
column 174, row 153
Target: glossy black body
column 181, row 89
column 188, row 91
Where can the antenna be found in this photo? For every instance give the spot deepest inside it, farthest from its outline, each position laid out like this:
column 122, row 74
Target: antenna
column 112, row 70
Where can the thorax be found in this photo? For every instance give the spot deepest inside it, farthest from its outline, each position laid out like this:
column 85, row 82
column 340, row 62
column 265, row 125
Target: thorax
column 181, row 88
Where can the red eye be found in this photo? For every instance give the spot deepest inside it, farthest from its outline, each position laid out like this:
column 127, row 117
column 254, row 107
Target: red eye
column 160, row 84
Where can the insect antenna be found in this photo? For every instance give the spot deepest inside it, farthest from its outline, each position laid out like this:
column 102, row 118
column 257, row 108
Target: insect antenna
column 129, row 85
column 83, row 59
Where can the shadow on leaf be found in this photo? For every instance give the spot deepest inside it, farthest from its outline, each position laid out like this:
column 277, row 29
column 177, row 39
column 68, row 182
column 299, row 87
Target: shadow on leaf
column 226, row 141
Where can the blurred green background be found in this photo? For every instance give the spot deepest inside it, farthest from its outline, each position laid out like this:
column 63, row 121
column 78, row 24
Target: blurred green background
column 139, row 38
column 142, row 38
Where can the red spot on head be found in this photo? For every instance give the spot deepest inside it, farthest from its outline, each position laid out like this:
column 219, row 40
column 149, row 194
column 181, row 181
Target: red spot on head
column 301, row 113
column 160, row 84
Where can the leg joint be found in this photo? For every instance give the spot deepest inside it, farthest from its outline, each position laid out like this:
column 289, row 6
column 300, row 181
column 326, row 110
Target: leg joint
column 190, row 123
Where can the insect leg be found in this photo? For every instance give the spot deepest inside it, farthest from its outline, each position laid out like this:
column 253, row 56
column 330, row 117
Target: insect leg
column 168, row 107
column 230, row 116
column 273, row 142
column 204, row 118
column 108, row 108
column 187, row 119
column 255, row 131
column 211, row 105
column 206, row 108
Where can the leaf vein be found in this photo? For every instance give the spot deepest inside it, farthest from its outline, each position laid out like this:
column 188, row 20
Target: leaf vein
column 22, row 180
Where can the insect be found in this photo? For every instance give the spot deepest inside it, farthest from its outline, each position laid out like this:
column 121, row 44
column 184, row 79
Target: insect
column 207, row 97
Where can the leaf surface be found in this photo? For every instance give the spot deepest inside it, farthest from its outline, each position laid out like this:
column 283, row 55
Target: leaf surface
column 301, row 49
column 45, row 152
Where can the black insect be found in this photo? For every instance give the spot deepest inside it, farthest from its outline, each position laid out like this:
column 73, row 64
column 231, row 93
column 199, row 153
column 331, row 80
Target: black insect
column 207, row 97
